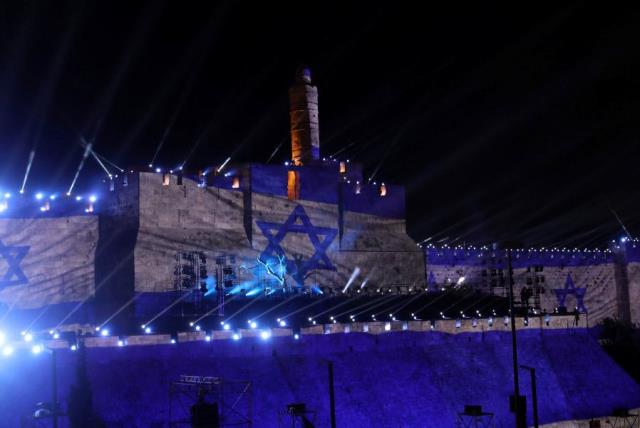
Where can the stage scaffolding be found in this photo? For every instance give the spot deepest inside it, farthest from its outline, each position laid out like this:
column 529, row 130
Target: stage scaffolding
column 234, row 400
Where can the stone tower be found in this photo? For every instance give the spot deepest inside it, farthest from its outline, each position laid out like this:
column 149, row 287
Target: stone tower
column 303, row 115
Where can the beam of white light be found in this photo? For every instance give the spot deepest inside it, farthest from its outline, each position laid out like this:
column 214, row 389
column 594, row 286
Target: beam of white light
column 384, row 301
column 97, row 158
column 334, row 307
column 122, row 308
column 271, row 309
column 352, row 278
column 87, row 151
column 32, row 154
column 108, row 161
column 214, row 309
column 223, row 164
column 275, row 151
column 162, row 312
column 239, row 311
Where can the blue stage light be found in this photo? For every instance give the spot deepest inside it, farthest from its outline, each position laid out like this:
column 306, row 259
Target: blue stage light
column 253, row 324
column 7, row 351
column 265, row 334
column 296, row 336
column 36, row 349
column 173, row 341
column 28, row 337
column 283, row 323
column 147, row 330
column 226, row 326
column 39, row 195
column 120, row 342
column 78, row 198
column 7, row 195
column 197, row 328
column 207, row 338
column 235, row 336
column 74, row 347
column 93, row 198
column 104, row 332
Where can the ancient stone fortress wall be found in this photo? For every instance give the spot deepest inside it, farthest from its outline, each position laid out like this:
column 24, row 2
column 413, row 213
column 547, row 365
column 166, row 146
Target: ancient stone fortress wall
column 587, row 280
column 248, row 217
column 632, row 256
column 46, row 260
column 386, row 374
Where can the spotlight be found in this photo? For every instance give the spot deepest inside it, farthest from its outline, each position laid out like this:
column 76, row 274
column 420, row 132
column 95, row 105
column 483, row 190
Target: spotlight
column 143, row 326
column 254, row 324
column 7, row 350
column 150, row 166
column 235, row 336
column 283, row 323
column 28, row 337
column 98, row 328
column 120, row 342
column 190, row 324
column 56, row 335
column 7, row 195
column 265, row 335
column 78, row 198
column 36, row 349
column 173, row 341
column 147, row 330
column 104, row 332
column 93, row 198
column 197, row 328
column 313, row 322
column 296, row 336
column 39, row 196
column 207, row 338
column 158, row 170
column 226, row 326
column 74, row 348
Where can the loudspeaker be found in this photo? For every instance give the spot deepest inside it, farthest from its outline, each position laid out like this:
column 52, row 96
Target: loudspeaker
column 472, row 410
column 522, row 410
column 620, row 412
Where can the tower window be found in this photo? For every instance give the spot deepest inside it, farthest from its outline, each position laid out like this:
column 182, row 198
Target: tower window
column 166, row 179
column 293, row 185
column 235, row 184
column 343, row 167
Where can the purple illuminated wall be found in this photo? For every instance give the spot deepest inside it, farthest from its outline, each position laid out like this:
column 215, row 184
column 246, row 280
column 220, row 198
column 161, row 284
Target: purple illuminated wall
column 398, row 379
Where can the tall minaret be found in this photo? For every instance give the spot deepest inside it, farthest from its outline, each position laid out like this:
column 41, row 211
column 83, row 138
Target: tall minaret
column 303, row 115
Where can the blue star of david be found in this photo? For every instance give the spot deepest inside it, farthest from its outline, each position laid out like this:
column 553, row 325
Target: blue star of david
column 298, row 269
column 570, row 288
column 13, row 256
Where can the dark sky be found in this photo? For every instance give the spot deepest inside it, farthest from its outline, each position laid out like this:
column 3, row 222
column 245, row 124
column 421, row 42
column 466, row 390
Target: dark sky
column 503, row 123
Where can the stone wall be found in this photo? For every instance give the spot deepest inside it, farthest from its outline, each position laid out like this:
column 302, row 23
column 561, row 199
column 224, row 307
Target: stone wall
column 587, row 280
column 255, row 228
column 47, row 260
column 402, row 378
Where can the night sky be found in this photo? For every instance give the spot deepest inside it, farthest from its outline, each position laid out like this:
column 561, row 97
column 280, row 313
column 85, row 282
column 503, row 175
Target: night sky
column 519, row 124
